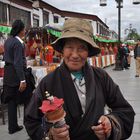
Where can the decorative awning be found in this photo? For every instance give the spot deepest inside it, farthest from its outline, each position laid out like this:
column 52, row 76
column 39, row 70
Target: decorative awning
column 104, row 40
column 5, row 29
column 57, row 33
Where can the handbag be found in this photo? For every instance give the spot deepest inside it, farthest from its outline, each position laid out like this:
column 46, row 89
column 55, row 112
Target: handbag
column 26, row 95
column 23, row 97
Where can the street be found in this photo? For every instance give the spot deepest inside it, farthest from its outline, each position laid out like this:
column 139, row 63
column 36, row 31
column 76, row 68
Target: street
column 130, row 87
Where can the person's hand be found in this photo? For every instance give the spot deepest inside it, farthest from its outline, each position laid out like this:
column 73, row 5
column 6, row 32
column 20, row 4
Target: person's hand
column 61, row 133
column 22, row 86
column 103, row 129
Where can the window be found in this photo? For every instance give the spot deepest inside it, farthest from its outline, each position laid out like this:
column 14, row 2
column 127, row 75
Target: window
column 35, row 20
column 55, row 19
column 3, row 13
column 15, row 13
column 45, row 18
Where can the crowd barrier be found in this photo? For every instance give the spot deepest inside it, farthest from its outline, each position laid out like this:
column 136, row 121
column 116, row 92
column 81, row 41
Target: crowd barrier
column 103, row 61
column 100, row 61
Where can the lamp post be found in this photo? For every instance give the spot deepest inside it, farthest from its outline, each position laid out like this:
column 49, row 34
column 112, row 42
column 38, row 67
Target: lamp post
column 136, row 1
column 119, row 20
column 119, row 6
column 118, row 65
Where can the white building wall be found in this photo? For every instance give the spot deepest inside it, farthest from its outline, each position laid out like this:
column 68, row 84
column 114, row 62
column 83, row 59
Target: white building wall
column 51, row 18
column 61, row 19
column 31, row 18
column 40, row 17
column 39, row 13
column 94, row 27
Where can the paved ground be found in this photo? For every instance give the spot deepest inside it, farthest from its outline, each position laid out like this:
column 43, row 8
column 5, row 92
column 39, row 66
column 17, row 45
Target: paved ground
column 130, row 87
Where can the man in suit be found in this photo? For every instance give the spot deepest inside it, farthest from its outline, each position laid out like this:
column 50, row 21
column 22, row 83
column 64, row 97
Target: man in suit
column 14, row 72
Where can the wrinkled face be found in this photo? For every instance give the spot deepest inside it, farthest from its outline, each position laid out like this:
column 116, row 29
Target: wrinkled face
column 75, row 53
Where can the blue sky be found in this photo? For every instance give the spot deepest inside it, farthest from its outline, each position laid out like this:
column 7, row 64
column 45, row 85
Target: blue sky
column 130, row 13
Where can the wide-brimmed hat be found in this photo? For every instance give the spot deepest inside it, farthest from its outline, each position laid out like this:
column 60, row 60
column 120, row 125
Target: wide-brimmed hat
column 77, row 28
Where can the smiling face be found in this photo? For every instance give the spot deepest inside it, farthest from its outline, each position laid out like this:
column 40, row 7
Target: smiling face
column 75, row 53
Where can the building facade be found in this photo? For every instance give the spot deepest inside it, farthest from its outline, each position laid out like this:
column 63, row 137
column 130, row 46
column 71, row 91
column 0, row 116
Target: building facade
column 37, row 13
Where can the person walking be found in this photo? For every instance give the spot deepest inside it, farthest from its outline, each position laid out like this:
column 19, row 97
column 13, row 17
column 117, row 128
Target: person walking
column 121, row 56
column 137, row 58
column 126, row 55
column 86, row 91
column 15, row 82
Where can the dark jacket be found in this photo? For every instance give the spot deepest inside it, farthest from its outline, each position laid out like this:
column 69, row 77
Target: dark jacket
column 15, row 62
column 15, row 71
column 101, row 90
column 137, row 51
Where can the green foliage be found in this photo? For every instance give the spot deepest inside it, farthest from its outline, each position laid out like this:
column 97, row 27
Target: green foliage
column 133, row 35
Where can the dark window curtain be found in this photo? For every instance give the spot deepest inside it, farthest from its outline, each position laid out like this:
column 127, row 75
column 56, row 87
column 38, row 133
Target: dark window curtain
column 55, row 19
column 3, row 13
column 16, row 13
column 35, row 22
column 97, row 27
column 45, row 18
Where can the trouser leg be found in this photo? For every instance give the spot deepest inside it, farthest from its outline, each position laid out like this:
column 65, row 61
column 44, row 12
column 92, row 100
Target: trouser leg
column 122, row 63
column 137, row 66
column 12, row 115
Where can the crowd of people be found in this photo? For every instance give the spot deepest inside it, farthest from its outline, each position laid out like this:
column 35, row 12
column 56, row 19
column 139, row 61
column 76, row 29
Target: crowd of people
column 124, row 56
column 86, row 90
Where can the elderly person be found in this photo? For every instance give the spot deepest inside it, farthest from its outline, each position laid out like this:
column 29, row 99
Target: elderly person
column 86, row 90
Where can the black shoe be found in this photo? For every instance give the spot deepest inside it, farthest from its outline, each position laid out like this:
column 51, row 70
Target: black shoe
column 16, row 130
column 136, row 75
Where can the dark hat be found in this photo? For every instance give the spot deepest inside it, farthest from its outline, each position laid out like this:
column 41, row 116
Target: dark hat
column 77, row 28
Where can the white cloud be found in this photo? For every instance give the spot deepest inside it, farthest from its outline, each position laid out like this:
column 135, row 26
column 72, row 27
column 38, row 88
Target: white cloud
column 129, row 12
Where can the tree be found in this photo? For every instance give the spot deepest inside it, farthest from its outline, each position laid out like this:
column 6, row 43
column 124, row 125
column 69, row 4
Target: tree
column 132, row 33
column 133, row 36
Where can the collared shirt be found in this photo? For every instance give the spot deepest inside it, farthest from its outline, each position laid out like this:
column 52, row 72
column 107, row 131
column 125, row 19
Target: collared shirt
column 19, row 39
column 81, row 90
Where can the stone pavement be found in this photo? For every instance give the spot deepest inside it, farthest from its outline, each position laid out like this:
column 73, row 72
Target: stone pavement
column 130, row 86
